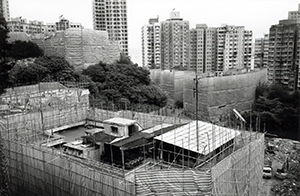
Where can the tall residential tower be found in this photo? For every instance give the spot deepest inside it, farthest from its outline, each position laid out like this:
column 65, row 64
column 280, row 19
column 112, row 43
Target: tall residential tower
column 284, row 50
column 206, row 50
column 111, row 16
column 234, row 48
column 151, row 44
column 174, row 42
column 4, row 9
column 202, row 53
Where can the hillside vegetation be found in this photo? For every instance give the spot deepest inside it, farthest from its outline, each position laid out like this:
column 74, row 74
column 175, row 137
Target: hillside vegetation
column 276, row 111
column 121, row 85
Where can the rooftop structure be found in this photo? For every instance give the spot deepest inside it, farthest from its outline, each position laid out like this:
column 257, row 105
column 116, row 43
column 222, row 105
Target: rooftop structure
column 294, row 15
column 121, row 127
column 210, row 137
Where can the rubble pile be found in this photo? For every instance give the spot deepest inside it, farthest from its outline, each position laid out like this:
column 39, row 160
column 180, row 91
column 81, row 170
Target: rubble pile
column 287, row 156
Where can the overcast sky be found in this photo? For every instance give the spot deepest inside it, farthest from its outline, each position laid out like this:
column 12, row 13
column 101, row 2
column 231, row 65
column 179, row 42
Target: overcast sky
column 255, row 15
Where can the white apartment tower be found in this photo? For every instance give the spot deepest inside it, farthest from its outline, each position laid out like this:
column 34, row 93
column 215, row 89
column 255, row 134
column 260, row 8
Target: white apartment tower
column 111, row 16
column 202, row 53
column 174, row 42
column 151, row 44
column 4, row 9
column 234, row 48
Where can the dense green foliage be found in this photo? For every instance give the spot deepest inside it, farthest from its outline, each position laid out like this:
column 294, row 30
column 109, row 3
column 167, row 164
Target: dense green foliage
column 4, row 65
column 3, row 37
column 124, row 81
column 119, row 84
column 5, row 68
column 276, row 110
column 22, row 49
column 42, row 69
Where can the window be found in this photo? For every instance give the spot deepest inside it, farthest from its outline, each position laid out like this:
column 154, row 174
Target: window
column 114, row 129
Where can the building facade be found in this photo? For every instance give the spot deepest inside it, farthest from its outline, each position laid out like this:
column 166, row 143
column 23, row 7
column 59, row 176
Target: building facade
column 202, row 55
column 151, row 44
column 111, row 16
column 234, row 48
column 206, row 50
column 4, row 9
column 174, row 42
column 261, row 51
column 62, row 25
column 284, row 53
column 20, row 24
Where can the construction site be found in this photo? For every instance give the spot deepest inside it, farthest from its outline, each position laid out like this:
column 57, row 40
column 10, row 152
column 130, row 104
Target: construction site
column 55, row 143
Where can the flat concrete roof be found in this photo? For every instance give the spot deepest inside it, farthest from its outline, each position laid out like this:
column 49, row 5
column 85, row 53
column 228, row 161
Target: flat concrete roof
column 120, row 121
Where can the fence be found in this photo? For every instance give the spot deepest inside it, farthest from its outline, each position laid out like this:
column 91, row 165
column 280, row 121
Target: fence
column 240, row 173
column 147, row 120
column 37, row 171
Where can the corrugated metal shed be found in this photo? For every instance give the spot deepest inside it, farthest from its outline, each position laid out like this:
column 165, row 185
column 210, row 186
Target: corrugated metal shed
column 210, row 137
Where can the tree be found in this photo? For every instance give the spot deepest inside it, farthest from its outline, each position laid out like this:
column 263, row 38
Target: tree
column 59, row 68
column 276, row 110
column 5, row 67
column 3, row 37
column 124, row 80
column 43, row 69
column 22, row 49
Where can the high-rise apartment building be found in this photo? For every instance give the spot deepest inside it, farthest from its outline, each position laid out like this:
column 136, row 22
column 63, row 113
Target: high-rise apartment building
column 111, row 16
column 258, row 52
column 248, row 49
column 4, row 9
column 234, row 48
column 202, row 49
column 174, row 42
column 284, row 53
column 202, row 55
column 151, row 44
column 261, row 51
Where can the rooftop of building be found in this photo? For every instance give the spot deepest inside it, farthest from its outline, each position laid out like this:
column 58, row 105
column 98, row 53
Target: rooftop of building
column 210, row 137
column 120, row 121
